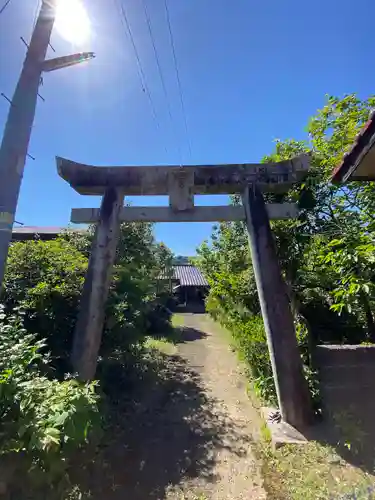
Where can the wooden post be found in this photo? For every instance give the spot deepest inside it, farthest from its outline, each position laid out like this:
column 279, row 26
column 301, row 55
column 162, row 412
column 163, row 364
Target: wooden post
column 291, row 386
column 88, row 332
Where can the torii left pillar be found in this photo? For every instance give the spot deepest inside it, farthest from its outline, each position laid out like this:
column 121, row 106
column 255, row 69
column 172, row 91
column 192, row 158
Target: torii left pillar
column 90, row 323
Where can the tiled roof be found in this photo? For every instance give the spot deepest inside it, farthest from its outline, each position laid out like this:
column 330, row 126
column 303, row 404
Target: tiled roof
column 188, row 276
column 346, row 167
column 23, row 233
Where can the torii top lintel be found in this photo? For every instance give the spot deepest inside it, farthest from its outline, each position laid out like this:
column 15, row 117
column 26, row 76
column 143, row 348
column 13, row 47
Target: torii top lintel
column 204, row 179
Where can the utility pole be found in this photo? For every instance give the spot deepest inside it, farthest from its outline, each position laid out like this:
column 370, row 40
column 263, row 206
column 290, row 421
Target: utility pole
column 17, row 131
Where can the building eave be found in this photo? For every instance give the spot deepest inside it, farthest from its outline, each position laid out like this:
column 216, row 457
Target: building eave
column 359, row 163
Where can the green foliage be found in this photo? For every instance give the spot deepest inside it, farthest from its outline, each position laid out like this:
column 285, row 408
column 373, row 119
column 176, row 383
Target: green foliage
column 136, row 292
column 46, row 414
column 42, row 419
column 251, row 340
column 352, row 262
column 46, row 279
column 326, row 255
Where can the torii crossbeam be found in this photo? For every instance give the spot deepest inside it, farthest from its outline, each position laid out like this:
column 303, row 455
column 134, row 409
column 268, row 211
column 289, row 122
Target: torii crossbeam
column 181, row 183
column 201, row 179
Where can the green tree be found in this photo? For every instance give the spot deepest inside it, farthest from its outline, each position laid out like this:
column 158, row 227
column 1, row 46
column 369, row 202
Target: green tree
column 326, row 255
column 46, row 279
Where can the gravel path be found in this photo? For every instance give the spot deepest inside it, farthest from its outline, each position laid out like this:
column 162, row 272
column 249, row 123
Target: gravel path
column 190, row 437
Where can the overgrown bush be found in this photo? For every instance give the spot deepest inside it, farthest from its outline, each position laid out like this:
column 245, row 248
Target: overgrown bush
column 42, row 419
column 136, row 293
column 46, row 278
column 251, row 340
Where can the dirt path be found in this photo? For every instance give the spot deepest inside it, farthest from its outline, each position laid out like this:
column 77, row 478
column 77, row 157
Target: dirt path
column 190, row 437
column 233, row 463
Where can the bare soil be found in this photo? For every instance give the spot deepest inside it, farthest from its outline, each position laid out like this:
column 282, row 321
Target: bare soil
column 191, row 434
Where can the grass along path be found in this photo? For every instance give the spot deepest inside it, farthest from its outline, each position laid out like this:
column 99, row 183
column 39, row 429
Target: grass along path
column 314, row 471
column 167, row 344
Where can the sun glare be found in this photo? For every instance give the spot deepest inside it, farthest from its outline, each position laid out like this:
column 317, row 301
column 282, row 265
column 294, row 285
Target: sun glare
column 72, row 21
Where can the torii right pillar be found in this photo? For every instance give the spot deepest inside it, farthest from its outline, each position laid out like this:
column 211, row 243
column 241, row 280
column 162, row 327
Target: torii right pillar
column 291, row 386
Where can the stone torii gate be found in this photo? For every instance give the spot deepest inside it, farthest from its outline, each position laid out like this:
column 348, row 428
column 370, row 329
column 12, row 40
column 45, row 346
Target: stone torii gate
column 181, row 183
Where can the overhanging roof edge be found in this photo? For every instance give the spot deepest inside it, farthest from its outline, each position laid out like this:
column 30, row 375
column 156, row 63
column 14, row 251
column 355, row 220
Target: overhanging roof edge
column 364, row 141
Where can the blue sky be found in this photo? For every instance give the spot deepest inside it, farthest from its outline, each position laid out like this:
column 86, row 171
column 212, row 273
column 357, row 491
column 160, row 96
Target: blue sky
column 251, row 71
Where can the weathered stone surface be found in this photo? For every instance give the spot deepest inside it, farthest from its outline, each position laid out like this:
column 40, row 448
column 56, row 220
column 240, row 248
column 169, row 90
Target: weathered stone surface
column 206, row 179
column 281, row 432
column 347, row 375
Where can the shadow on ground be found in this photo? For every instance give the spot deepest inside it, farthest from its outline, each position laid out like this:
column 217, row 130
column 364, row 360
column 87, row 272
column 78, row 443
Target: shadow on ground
column 351, row 431
column 181, row 335
column 190, row 307
column 170, row 432
column 187, row 334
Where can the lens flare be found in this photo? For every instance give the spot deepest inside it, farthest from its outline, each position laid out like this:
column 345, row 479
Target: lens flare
column 72, row 21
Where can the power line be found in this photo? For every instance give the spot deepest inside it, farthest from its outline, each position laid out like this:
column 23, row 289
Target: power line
column 148, row 20
column 177, row 73
column 141, row 73
column 5, row 6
